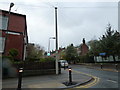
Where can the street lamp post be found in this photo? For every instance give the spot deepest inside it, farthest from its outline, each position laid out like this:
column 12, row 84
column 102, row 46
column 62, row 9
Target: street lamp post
column 49, row 44
column 56, row 40
column 11, row 5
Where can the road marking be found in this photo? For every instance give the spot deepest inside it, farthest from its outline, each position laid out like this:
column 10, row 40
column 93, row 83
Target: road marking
column 112, row 81
column 104, row 69
column 96, row 80
column 109, row 70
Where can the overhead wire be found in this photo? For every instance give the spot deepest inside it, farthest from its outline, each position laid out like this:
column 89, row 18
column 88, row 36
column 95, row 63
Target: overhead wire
column 52, row 6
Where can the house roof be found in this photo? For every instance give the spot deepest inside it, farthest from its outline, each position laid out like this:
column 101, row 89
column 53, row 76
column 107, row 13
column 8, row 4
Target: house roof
column 13, row 13
column 6, row 12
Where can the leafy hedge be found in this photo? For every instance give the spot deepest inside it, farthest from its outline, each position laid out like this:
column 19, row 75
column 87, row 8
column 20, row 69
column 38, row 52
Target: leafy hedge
column 86, row 59
column 47, row 59
column 41, row 59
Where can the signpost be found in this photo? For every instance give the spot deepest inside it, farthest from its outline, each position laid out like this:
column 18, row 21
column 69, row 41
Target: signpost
column 102, row 54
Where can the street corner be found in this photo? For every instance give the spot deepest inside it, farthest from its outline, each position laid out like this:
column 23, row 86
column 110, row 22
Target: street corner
column 87, row 80
column 78, row 79
column 89, row 84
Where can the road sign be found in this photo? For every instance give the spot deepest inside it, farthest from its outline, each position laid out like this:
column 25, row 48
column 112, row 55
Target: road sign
column 102, row 54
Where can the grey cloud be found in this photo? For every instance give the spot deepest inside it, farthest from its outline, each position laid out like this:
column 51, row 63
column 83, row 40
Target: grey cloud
column 75, row 21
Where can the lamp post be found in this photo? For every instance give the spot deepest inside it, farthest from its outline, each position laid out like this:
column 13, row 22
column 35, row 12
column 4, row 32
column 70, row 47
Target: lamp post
column 56, row 40
column 11, row 5
column 49, row 45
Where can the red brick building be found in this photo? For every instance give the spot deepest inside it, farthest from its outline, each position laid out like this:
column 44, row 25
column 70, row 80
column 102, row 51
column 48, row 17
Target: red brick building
column 83, row 48
column 13, row 33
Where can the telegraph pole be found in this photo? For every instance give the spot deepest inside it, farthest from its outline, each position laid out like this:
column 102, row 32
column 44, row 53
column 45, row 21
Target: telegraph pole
column 56, row 40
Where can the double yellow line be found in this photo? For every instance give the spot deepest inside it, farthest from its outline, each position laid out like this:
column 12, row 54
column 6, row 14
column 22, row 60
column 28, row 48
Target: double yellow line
column 96, row 80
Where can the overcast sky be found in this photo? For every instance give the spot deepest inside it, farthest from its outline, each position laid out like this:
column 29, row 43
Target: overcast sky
column 76, row 19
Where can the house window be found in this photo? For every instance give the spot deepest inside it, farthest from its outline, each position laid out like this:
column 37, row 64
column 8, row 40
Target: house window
column 13, row 33
column 2, row 44
column 3, row 22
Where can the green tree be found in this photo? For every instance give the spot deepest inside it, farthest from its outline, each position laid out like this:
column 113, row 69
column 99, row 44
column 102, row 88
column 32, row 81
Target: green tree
column 95, row 48
column 13, row 53
column 34, row 51
column 71, row 53
column 116, row 47
column 110, row 42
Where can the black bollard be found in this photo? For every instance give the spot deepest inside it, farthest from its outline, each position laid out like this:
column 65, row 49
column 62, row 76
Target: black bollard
column 20, row 78
column 116, row 66
column 70, row 76
column 101, row 66
column 64, row 65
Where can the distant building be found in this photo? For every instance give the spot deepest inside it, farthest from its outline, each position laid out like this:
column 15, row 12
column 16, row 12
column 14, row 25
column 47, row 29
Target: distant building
column 61, row 53
column 83, row 48
column 13, row 29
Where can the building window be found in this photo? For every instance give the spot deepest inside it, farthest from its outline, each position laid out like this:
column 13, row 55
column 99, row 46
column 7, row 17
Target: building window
column 13, row 33
column 3, row 22
column 2, row 44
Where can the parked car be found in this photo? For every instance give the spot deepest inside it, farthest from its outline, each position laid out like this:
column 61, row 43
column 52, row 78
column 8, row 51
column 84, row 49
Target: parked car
column 63, row 63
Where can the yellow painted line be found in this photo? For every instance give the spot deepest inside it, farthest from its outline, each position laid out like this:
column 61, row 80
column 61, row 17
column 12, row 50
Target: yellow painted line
column 105, row 69
column 87, row 85
column 90, row 84
column 96, row 80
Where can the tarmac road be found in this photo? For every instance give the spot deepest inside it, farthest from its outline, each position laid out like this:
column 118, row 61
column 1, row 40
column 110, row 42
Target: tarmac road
column 106, row 79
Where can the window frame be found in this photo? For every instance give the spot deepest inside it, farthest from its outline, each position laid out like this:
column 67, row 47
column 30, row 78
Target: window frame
column 3, row 22
column 2, row 44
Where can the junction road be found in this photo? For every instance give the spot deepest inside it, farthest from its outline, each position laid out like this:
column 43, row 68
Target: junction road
column 105, row 79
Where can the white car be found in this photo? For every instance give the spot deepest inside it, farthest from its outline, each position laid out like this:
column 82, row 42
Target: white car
column 63, row 63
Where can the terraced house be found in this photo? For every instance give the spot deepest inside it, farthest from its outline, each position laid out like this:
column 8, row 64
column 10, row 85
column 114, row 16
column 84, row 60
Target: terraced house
column 13, row 29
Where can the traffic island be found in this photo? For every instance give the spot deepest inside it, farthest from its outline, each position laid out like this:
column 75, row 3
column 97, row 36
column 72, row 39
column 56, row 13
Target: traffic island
column 77, row 83
column 76, row 79
column 69, row 83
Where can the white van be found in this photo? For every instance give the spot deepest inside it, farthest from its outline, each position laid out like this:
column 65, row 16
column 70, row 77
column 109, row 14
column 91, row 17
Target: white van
column 63, row 63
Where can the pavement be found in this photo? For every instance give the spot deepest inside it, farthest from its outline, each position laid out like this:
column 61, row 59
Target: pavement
column 48, row 81
column 55, row 81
